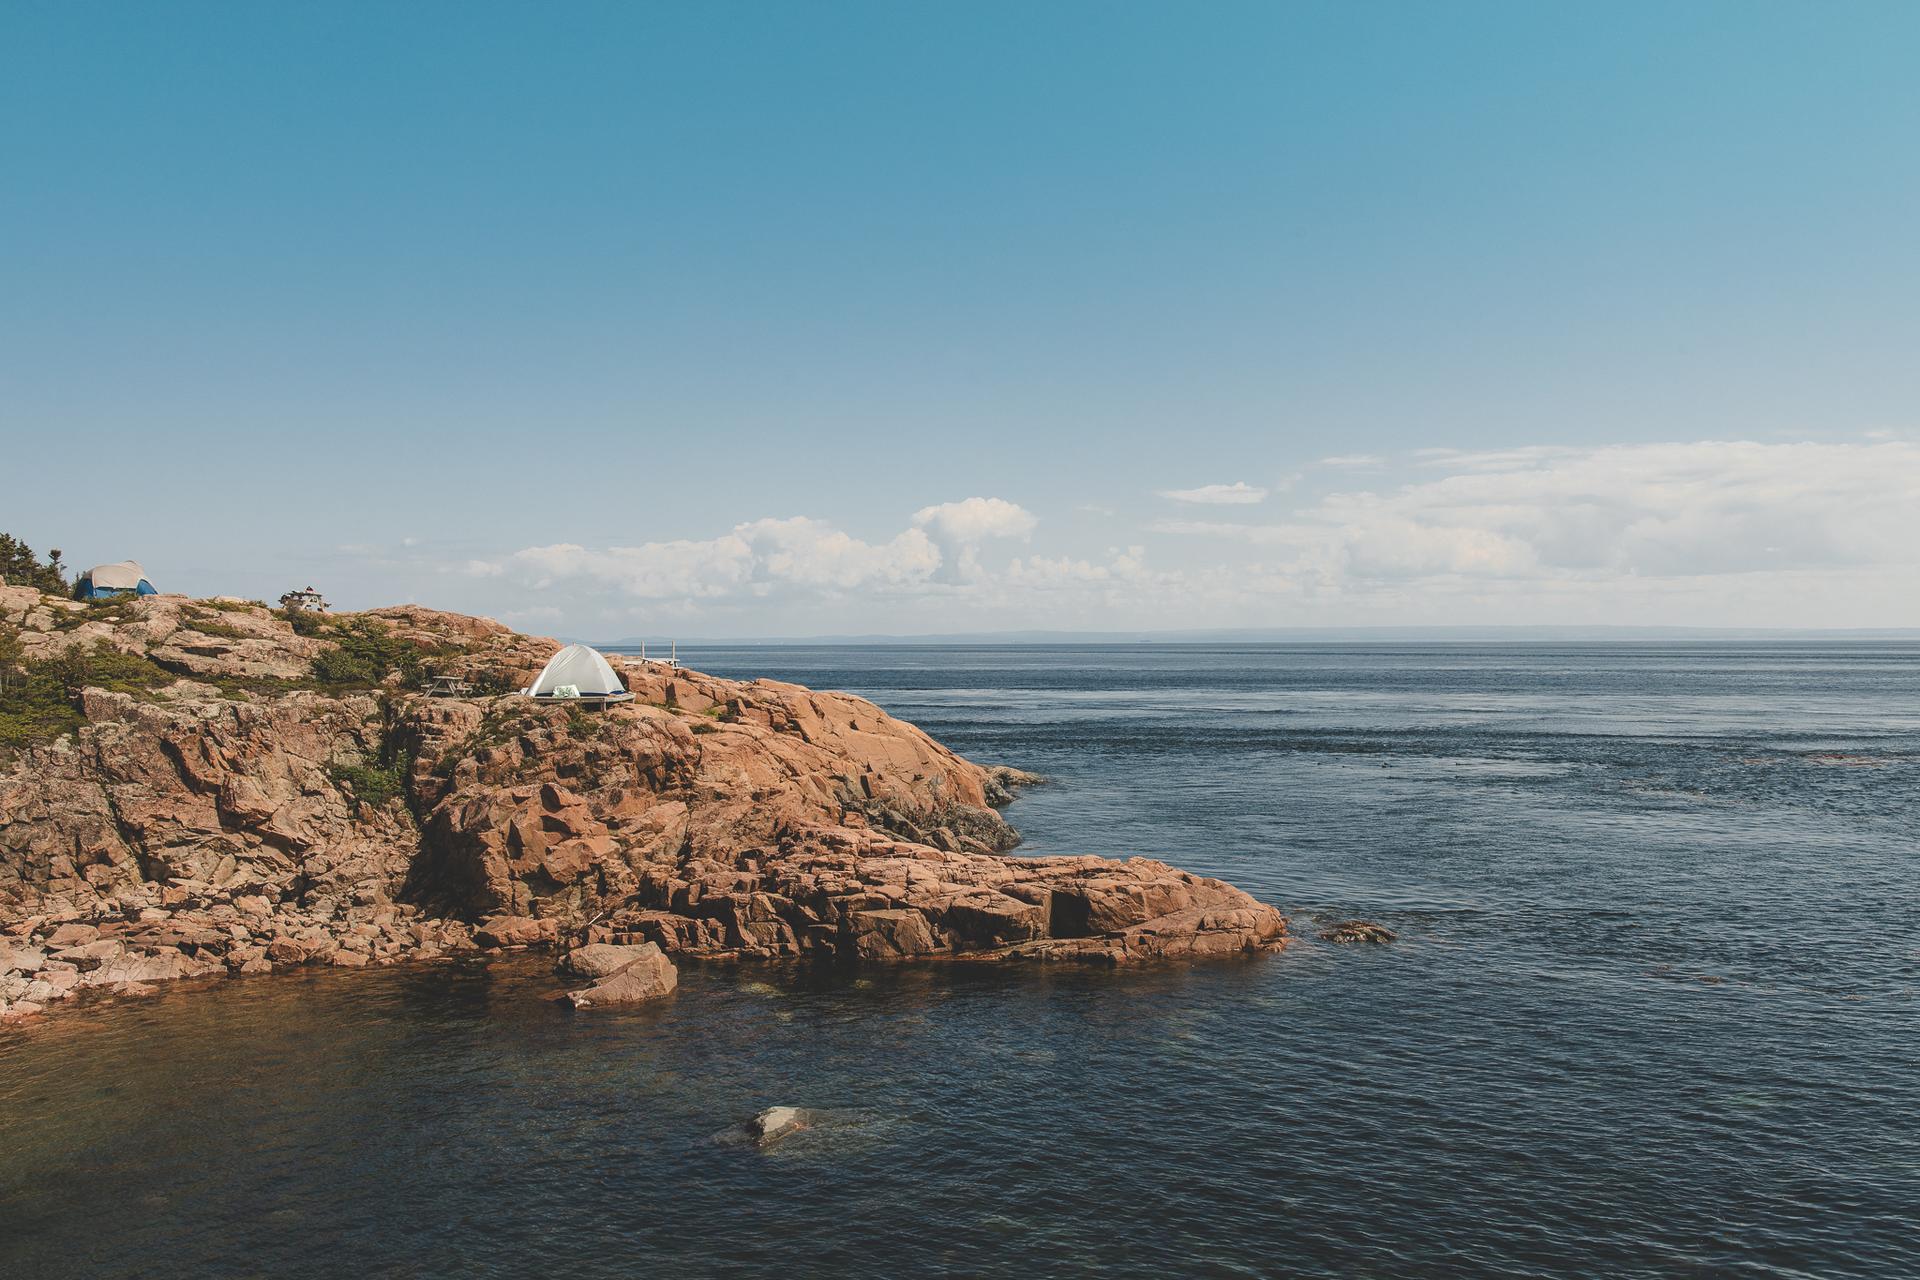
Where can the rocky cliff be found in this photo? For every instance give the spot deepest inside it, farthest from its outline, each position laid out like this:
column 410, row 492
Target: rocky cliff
column 222, row 789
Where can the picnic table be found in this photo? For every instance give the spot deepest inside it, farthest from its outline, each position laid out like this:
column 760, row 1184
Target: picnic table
column 449, row 687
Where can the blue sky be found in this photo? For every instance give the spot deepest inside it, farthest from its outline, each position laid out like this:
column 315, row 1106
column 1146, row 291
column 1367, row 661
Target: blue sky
column 791, row 319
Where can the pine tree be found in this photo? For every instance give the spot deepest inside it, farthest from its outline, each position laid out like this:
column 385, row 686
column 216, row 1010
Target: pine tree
column 22, row 568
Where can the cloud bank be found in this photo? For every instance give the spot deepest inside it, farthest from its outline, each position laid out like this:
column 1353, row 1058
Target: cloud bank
column 1656, row 511
column 779, row 556
column 1712, row 533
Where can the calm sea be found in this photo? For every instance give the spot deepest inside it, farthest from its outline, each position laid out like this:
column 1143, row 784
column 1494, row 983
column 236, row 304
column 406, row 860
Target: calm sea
column 1653, row 1013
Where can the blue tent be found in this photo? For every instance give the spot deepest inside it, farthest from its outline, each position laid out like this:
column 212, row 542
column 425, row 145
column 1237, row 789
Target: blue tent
column 105, row 581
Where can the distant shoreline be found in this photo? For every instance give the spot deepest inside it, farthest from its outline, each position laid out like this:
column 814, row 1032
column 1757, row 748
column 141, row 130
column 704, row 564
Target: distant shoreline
column 1309, row 636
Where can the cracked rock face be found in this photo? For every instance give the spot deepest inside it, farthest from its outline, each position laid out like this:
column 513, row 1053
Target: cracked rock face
column 193, row 832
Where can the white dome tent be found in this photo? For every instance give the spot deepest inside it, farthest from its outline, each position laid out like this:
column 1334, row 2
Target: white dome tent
column 578, row 672
column 104, row 581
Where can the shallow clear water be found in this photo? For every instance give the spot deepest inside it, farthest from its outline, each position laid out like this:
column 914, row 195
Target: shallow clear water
column 1653, row 1013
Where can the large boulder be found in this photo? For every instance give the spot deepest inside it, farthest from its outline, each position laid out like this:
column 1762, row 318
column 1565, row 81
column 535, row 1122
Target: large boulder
column 604, row 959
column 645, row 974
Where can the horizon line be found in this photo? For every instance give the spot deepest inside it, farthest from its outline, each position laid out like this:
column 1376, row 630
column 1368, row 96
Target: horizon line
column 1403, row 633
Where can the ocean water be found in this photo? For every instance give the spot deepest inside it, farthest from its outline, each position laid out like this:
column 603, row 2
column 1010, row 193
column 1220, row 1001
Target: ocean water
column 1653, row 1013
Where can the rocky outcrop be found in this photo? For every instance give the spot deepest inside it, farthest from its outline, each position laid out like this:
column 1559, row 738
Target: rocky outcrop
column 245, row 817
column 223, row 637
column 861, row 895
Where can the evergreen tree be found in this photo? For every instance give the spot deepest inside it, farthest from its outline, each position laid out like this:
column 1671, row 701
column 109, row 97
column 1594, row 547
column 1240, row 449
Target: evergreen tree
column 22, row 568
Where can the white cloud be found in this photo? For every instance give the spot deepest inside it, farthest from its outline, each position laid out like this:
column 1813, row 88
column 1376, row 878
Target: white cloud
column 1239, row 493
column 1629, row 511
column 1715, row 532
column 958, row 529
column 773, row 557
column 758, row 558
column 976, row 519
column 1355, row 460
column 1058, row 573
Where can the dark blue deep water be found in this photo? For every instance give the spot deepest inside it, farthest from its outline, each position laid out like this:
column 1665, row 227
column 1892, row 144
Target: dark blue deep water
column 1653, row 1013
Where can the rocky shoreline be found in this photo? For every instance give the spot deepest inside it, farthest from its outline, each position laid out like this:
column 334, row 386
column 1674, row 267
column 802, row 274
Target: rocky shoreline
column 240, row 791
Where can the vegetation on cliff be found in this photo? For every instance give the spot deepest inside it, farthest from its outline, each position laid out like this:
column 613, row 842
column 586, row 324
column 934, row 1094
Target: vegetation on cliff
column 39, row 700
column 19, row 566
column 365, row 653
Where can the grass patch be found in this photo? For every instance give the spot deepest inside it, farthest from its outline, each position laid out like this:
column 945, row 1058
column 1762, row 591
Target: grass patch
column 368, row 653
column 582, row 723
column 377, row 782
column 373, row 785
column 307, row 622
column 39, row 701
column 113, row 610
column 498, row 727
column 238, row 688
column 213, row 627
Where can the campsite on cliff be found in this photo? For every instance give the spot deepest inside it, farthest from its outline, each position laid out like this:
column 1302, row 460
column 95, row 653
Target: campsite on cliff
column 756, row 641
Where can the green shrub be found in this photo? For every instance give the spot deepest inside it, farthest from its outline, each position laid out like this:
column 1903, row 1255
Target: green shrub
column 373, row 785
column 101, row 667
column 39, row 701
column 492, row 682
column 499, row 726
column 306, row 622
column 368, row 653
column 113, row 609
column 22, row 568
column 215, row 627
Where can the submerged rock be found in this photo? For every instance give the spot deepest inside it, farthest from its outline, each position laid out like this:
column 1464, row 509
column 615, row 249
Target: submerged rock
column 1357, row 931
column 1005, row 781
column 776, row 1123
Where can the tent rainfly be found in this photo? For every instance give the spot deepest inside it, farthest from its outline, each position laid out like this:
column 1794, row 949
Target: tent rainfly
column 578, row 671
column 104, row 580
